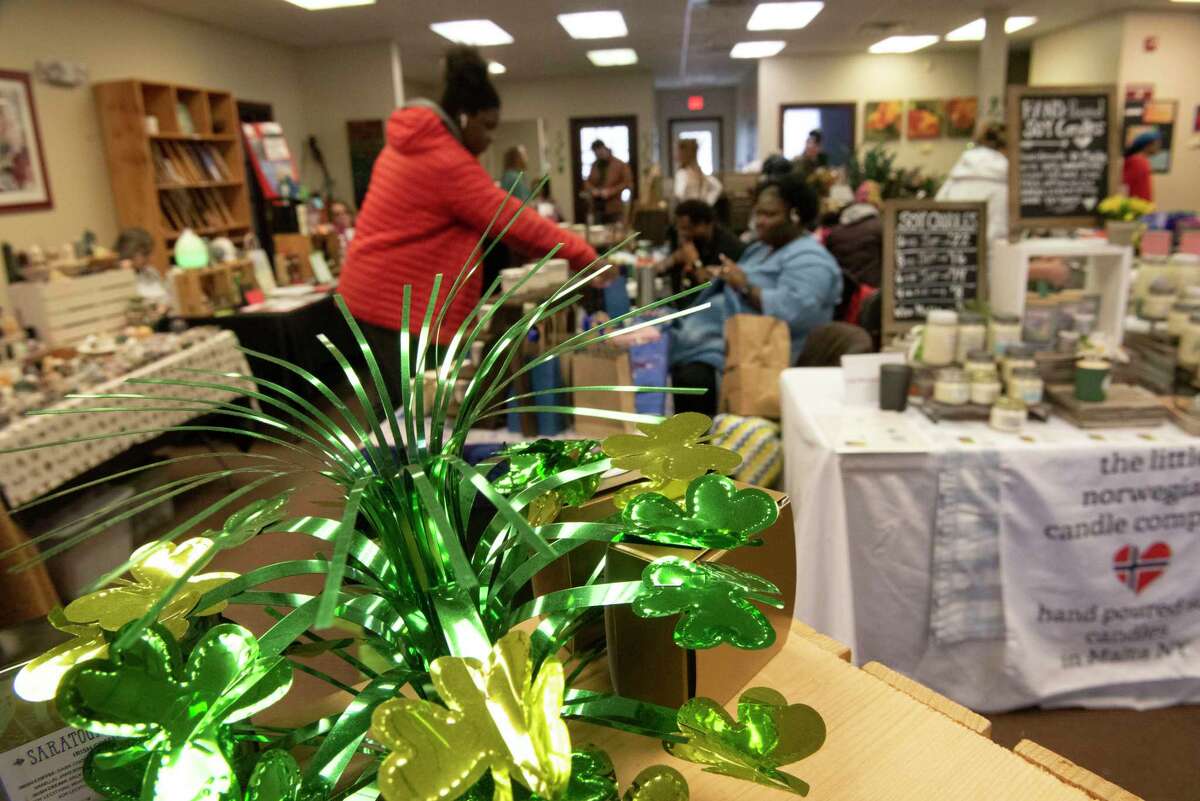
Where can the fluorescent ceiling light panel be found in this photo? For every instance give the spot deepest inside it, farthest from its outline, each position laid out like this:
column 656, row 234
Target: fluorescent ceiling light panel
column 902, row 44
column 324, row 5
column 619, row 57
column 783, row 16
column 756, row 49
column 477, row 32
column 975, row 30
column 594, row 24
column 496, row 68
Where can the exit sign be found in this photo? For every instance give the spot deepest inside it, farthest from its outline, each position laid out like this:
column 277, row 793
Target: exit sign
column 695, row 102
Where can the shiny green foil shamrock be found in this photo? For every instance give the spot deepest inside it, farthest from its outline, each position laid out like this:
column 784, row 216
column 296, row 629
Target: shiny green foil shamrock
column 249, row 521
column 169, row 719
column 768, row 734
column 671, row 449
column 593, row 778
column 276, row 777
column 155, row 568
column 497, row 716
column 713, row 599
column 529, row 462
column 716, row 514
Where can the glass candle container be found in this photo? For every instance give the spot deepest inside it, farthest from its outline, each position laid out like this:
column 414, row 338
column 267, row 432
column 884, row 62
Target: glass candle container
column 1003, row 331
column 1177, row 318
column 952, row 387
column 1026, row 385
column 1189, row 343
column 972, row 335
column 941, row 337
column 980, row 361
column 1008, row 415
column 985, row 387
column 1017, row 357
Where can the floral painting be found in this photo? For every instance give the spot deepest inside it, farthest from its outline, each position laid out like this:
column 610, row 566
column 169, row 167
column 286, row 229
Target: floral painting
column 961, row 116
column 24, row 185
column 926, row 119
column 882, row 120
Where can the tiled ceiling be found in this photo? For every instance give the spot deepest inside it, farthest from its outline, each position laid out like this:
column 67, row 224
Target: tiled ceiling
column 656, row 28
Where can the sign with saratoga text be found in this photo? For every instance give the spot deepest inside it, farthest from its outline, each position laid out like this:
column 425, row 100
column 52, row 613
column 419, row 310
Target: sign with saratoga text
column 1101, row 567
column 1064, row 154
column 934, row 257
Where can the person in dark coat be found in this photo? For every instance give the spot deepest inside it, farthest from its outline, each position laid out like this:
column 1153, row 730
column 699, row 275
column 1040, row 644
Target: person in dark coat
column 857, row 240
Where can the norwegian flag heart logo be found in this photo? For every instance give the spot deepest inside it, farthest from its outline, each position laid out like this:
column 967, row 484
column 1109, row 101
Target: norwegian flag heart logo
column 1137, row 568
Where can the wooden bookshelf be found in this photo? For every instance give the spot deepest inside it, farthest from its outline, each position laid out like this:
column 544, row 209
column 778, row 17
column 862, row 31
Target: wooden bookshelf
column 190, row 174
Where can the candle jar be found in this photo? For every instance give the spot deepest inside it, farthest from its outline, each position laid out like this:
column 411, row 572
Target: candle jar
column 1017, row 357
column 980, row 361
column 1085, row 322
column 985, row 387
column 972, row 335
column 940, row 338
column 1189, row 343
column 1068, row 341
column 1158, row 303
column 1027, row 386
column 951, row 387
column 1004, row 330
column 1008, row 415
column 1177, row 318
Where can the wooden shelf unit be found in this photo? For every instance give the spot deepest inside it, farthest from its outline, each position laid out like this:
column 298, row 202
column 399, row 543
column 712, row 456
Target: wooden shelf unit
column 186, row 175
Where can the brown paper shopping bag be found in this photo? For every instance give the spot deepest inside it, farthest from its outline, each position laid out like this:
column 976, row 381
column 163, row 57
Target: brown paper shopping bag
column 602, row 366
column 757, row 350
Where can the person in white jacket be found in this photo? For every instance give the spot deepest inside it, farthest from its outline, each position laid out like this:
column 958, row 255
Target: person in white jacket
column 690, row 181
column 981, row 174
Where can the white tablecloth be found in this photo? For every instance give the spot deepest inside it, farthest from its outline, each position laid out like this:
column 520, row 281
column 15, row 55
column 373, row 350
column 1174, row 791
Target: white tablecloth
column 864, row 488
column 28, row 475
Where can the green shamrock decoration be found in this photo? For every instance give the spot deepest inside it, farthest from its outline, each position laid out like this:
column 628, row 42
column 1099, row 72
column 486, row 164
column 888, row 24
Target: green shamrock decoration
column 671, row 449
column 169, row 719
column 713, row 599
column 247, row 522
column 768, row 733
column 716, row 514
column 498, row 717
column 593, row 778
column 276, row 777
column 529, row 462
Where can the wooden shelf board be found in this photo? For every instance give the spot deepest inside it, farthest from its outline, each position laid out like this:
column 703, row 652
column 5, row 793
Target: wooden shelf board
column 199, row 185
column 182, row 137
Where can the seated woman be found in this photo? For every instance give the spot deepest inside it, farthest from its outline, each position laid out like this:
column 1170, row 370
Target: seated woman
column 784, row 274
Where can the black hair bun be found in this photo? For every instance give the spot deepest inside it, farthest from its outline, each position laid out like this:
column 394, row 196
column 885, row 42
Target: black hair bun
column 466, row 66
column 468, row 87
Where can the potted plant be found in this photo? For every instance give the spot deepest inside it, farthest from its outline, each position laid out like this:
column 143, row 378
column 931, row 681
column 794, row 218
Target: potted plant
column 1122, row 217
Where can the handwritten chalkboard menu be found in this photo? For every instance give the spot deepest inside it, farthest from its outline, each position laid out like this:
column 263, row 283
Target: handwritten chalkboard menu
column 934, row 257
column 1063, row 153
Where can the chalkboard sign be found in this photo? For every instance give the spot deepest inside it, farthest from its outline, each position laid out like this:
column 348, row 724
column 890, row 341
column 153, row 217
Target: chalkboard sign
column 1063, row 154
column 934, row 257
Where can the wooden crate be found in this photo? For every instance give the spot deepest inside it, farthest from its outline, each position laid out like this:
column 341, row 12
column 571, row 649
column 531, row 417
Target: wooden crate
column 65, row 311
column 889, row 738
column 200, row 292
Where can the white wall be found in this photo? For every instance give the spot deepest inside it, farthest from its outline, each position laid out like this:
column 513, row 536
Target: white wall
column 858, row 78
column 1174, row 69
column 1082, row 55
column 341, row 84
column 719, row 102
column 117, row 40
column 559, row 99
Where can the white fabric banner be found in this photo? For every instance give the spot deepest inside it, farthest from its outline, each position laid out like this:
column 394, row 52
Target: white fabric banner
column 1100, row 563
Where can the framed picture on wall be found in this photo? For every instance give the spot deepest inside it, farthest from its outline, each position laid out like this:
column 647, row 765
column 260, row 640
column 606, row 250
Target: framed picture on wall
column 882, row 120
column 926, row 119
column 24, row 185
column 961, row 117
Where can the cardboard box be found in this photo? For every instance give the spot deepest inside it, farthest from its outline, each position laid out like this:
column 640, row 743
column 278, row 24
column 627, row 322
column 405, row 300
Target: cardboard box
column 645, row 662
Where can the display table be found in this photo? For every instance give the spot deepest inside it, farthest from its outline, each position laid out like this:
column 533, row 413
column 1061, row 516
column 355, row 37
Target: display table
column 28, row 475
column 290, row 334
column 865, row 490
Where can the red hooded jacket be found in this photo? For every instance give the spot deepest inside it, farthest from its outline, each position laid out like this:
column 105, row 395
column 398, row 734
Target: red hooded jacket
column 427, row 205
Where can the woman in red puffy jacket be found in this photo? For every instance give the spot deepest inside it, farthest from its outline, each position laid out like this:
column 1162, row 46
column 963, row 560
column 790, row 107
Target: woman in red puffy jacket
column 428, row 204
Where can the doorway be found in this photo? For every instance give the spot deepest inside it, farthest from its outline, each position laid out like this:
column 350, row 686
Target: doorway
column 621, row 136
column 835, row 121
column 708, row 133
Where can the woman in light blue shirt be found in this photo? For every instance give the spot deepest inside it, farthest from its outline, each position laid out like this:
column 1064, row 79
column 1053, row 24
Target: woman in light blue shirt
column 785, row 274
column 516, row 162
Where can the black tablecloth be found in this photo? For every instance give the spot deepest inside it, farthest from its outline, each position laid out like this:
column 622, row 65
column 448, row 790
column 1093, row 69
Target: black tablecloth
column 292, row 336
